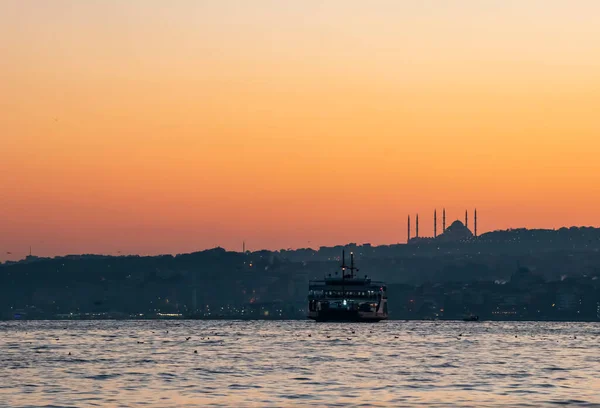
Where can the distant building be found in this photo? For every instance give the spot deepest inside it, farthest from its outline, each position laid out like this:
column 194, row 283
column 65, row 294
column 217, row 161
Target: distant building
column 523, row 278
column 567, row 301
column 456, row 232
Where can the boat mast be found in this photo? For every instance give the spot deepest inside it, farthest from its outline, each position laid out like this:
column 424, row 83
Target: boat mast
column 352, row 268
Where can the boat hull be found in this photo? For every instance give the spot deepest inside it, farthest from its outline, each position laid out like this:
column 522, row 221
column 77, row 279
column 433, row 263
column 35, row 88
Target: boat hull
column 345, row 316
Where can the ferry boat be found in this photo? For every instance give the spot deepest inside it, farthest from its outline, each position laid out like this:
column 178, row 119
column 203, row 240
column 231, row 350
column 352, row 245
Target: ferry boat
column 347, row 298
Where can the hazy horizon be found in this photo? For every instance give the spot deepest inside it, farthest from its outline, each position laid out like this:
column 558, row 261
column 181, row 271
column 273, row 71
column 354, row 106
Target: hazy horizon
column 149, row 128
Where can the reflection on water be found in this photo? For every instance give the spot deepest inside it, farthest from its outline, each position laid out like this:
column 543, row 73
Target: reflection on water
column 298, row 363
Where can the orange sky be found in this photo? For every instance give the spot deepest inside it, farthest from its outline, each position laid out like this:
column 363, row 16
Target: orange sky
column 147, row 127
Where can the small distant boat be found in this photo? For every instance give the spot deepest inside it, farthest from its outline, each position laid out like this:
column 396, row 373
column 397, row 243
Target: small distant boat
column 471, row 318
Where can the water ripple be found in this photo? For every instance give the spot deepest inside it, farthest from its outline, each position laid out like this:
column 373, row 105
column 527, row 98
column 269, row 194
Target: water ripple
column 298, row 363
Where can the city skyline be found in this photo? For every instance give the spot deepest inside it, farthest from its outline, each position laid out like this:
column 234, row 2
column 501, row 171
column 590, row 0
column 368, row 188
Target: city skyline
column 149, row 128
column 413, row 236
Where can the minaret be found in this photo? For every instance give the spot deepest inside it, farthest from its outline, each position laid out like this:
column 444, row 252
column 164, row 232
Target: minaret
column 466, row 219
column 434, row 223
column 444, row 220
column 408, row 236
column 475, row 223
column 417, row 227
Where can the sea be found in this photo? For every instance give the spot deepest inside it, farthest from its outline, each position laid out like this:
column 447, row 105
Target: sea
column 189, row 363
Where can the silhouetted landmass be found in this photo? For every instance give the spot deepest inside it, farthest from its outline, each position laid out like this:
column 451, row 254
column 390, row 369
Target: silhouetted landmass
column 513, row 274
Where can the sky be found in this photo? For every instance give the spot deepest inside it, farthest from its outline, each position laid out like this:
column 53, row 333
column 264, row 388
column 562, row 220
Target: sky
column 151, row 127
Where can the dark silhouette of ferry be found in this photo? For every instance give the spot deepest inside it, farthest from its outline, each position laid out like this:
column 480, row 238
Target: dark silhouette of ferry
column 346, row 297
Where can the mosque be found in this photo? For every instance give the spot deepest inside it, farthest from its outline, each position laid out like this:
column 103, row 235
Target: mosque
column 456, row 232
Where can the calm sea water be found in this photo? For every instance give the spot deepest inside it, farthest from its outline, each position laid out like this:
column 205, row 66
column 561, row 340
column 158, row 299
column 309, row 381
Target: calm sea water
column 298, row 363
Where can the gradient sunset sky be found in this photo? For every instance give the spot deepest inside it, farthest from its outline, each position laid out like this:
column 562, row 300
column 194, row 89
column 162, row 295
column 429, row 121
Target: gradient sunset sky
column 164, row 127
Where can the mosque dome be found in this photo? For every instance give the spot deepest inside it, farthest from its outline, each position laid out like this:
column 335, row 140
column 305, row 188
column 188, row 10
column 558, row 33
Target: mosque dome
column 456, row 232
